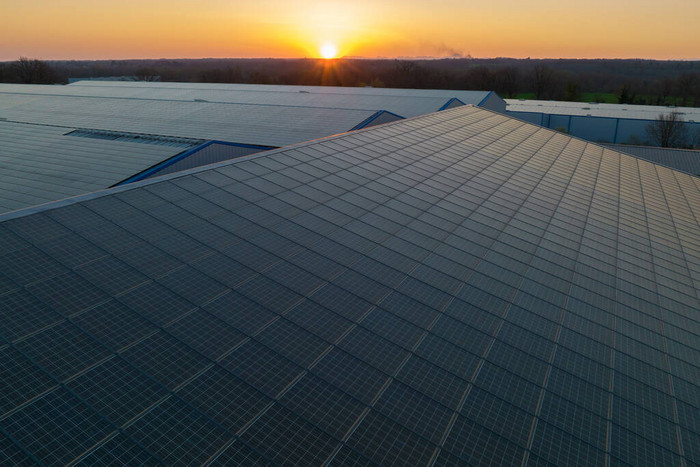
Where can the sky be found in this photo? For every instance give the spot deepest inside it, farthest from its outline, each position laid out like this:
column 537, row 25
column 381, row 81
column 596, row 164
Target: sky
column 122, row 29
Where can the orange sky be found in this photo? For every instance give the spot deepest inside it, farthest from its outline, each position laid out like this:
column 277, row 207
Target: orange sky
column 112, row 29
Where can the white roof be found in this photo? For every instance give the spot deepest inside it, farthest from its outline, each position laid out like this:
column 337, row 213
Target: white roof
column 40, row 163
column 404, row 102
column 636, row 112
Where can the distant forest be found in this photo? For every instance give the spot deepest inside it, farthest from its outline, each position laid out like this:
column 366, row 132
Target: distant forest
column 616, row 81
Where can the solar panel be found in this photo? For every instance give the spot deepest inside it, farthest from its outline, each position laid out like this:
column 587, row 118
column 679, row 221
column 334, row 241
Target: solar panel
column 477, row 291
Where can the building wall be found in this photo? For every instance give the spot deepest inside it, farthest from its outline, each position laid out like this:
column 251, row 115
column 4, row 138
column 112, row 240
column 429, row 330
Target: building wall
column 600, row 129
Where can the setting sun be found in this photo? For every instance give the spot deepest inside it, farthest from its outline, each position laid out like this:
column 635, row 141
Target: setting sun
column 328, row 51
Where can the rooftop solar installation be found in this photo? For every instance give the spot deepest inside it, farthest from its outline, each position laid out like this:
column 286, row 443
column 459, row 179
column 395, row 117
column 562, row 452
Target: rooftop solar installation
column 42, row 163
column 457, row 288
column 686, row 160
column 267, row 125
column 404, row 102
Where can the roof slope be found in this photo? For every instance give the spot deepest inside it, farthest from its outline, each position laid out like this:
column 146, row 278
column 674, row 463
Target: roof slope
column 686, row 160
column 242, row 123
column 41, row 163
column 404, row 102
column 459, row 288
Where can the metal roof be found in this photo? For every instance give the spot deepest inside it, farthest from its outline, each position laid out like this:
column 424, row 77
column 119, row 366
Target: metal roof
column 404, row 102
column 458, row 288
column 40, row 163
column 686, row 160
column 635, row 112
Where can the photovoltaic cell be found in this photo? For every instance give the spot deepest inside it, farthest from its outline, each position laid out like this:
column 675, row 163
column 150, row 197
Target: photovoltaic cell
column 176, row 433
column 57, row 427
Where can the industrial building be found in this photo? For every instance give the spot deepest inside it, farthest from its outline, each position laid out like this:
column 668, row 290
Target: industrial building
column 61, row 141
column 459, row 288
column 604, row 123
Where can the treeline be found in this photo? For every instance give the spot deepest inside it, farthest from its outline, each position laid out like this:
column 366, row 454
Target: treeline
column 623, row 81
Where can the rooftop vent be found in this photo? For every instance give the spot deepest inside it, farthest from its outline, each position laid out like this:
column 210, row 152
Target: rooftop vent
column 136, row 138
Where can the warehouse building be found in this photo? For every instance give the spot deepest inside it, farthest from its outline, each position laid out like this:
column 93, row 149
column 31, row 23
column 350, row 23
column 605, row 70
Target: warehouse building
column 604, row 123
column 456, row 288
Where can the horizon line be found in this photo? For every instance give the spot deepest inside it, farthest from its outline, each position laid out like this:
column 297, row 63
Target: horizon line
column 352, row 57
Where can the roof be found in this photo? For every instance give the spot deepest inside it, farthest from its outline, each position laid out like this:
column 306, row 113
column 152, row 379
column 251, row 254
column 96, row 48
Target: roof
column 40, row 163
column 269, row 125
column 461, row 287
column 404, row 102
column 592, row 109
column 686, row 160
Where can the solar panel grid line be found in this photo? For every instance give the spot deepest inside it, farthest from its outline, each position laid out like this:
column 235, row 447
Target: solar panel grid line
column 609, row 457
column 10, row 444
column 60, row 386
column 543, row 390
column 97, row 364
column 475, row 376
column 679, row 439
column 670, row 204
column 464, row 396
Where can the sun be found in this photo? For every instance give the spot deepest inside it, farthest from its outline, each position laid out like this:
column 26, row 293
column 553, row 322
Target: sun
column 328, row 51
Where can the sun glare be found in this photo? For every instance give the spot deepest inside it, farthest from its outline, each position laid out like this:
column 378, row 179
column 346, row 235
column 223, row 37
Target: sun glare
column 328, row 51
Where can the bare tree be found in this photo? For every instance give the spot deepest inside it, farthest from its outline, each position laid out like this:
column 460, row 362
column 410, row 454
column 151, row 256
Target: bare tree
column 687, row 86
column 147, row 74
column 668, row 131
column 507, row 81
column 544, row 81
column 28, row 71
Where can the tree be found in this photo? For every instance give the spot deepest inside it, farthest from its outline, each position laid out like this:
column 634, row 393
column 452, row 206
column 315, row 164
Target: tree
column 544, row 81
column 28, row 71
column 507, row 81
column 687, row 87
column 573, row 94
column 664, row 88
column 147, row 74
column 668, row 131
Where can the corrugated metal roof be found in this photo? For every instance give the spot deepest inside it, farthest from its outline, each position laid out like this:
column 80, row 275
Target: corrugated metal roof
column 461, row 288
column 687, row 160
column 269, row 125
column 636, row 112
column 41, row 163
column 404, row 102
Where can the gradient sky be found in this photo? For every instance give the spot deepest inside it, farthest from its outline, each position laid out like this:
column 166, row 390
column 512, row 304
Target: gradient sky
column 118, row 29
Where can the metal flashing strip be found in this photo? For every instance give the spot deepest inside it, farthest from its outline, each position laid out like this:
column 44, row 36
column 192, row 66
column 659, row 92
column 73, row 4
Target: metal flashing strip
column 485, row 99
column 372, row 118
column 447, row 104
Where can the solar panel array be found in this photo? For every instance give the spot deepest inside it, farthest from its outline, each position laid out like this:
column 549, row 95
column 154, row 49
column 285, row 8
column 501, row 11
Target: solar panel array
column 456, row 288
column 269, row 125
column 686, row 160
column 43, row 163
